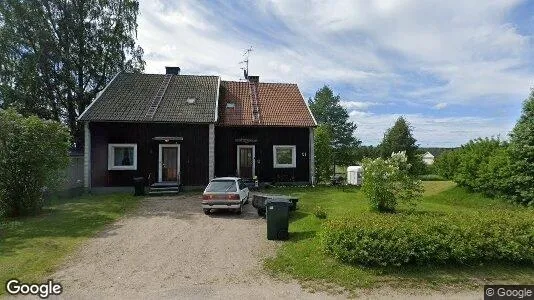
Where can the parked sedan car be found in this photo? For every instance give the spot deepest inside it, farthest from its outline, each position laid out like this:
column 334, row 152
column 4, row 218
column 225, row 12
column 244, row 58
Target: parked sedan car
column 225, row 193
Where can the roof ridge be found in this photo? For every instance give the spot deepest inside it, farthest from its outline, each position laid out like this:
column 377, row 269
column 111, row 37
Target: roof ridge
column 261, row 82
column 154, row 74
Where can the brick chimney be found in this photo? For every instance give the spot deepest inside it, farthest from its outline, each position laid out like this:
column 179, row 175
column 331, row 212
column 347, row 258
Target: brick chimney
column 172, row 70
column 253, row 79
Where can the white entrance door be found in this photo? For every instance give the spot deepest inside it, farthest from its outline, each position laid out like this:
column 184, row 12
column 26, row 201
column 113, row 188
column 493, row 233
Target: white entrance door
column 169, row 163
column 246, row 162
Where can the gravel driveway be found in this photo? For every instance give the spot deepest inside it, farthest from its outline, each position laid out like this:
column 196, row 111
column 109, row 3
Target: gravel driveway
column 170, row 249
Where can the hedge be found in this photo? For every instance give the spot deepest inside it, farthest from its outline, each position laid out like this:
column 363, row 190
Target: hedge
column 32, row 154
column 435, row 239
column 482, row 165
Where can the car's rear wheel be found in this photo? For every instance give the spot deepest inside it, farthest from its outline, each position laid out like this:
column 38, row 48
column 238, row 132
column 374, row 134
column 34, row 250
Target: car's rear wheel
column 207, row 211
column 240, row 209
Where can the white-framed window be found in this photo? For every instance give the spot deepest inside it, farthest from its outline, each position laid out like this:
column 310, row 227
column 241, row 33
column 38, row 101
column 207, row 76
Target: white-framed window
column 122, row 156
column 284, row 156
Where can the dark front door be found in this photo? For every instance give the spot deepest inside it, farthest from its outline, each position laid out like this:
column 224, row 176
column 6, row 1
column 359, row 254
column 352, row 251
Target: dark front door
column 246, row 164
column 169, row 164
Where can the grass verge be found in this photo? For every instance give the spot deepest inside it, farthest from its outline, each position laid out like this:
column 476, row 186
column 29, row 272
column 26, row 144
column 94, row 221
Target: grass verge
column 303, row 258
column 32, row 248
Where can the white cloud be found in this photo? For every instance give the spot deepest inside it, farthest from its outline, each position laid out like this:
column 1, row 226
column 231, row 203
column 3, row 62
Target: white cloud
column 441, row 105
column 184, row 38
column 359, row 105
column 468, row 45
column 430, row 131
column 418, row 53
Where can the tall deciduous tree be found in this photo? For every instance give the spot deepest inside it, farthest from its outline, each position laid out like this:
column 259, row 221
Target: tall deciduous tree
column 327, row 110
column 56, row 55
column 399, row 138
column 522, row 153
column 323, row 152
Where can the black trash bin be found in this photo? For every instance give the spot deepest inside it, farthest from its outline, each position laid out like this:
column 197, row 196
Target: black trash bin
column 258, row 202
column 139, row 186
column 277, row 218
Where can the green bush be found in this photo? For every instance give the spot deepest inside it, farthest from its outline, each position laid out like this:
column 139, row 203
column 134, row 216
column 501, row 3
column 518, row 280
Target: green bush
column 464, row 239
column 482, row 165
column 496, row 175
column 522, row 154
column 32, row 154
column 319, row 212
column 493, row 167
column 388, row 181
column 427, row 169
column 447, row 163
column 323, row 153
column 472, row 156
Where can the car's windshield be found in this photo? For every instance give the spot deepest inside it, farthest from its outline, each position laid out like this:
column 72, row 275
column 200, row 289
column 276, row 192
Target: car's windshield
column 220, row 186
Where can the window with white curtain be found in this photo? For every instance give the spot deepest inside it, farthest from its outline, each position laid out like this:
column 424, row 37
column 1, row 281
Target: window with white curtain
column 122, row 156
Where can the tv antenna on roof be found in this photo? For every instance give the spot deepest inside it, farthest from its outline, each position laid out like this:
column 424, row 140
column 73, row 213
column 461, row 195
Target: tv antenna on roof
column 245, row 62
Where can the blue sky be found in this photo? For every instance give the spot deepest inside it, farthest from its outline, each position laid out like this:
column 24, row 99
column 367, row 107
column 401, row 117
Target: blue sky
column 456, row 70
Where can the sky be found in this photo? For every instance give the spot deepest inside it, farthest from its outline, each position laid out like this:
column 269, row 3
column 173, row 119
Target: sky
column 456, row 70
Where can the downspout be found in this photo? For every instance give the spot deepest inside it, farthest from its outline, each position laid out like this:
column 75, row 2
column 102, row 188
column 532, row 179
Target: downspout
column 312, row 156
column 211, row 146
column 87, row 157
column 211, row 152
column 87, row 139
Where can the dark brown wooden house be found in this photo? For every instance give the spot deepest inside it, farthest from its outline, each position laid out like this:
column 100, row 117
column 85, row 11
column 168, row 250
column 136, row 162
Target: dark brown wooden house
column 264, row 130
column 188, row 129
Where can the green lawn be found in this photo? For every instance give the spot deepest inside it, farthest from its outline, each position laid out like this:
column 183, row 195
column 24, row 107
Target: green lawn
column 302, row 258
column 32, row 248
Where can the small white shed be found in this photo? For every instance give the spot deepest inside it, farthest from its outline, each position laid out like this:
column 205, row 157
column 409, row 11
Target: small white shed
column 428, row 158
column 354, row 175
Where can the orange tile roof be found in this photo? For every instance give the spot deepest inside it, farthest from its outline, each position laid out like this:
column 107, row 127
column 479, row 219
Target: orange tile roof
column 280, row 104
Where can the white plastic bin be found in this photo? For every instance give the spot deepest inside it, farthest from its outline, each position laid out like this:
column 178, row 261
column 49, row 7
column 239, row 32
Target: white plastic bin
column 354, row 175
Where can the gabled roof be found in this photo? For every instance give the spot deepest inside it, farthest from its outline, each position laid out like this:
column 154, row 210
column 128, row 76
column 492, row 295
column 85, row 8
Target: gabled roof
column 428, row 155
column 128, row 97
column 280, row 104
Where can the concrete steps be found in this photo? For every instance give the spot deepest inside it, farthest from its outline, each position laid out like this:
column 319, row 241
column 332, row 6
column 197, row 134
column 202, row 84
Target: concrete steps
column 163, row 189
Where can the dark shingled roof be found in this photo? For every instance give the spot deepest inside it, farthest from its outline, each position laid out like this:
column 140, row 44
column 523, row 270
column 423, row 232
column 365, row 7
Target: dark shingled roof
column 280, row 104
column 128, row 97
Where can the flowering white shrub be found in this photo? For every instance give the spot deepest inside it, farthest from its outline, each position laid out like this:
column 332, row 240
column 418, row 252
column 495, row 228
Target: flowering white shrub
column 388, row 182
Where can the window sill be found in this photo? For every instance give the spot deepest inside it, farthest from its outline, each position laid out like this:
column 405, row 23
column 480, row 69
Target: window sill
column 132, row 168
column 284, row 166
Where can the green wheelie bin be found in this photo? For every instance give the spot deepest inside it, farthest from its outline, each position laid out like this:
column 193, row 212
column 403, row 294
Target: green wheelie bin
column 277, row 214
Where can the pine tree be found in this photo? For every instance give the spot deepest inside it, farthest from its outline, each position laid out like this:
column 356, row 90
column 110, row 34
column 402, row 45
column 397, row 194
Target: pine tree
column 399, row 138
column 327, row 110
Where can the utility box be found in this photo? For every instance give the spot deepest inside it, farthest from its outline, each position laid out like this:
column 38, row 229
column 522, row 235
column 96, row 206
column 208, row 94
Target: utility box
column 354, row 175
column 277, row 211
